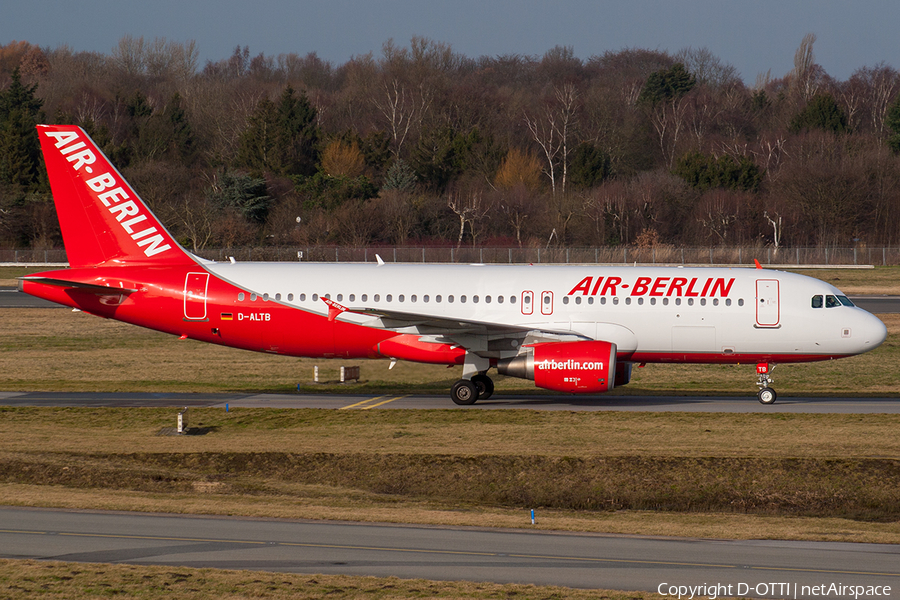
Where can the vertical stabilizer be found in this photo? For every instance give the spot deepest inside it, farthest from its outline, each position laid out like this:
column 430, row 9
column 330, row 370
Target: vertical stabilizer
column 102, row 218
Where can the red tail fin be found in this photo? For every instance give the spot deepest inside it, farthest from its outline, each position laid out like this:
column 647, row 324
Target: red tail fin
column 101, row 217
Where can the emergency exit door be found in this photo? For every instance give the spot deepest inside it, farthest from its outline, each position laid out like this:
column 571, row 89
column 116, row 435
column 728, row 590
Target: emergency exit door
column 195, row 285
column 768, row 305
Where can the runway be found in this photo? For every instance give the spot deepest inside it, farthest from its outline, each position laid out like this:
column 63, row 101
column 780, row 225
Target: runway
column 720, row 404
column 437, row 553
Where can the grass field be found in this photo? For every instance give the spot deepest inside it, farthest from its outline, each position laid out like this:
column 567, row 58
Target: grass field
column 20, row 580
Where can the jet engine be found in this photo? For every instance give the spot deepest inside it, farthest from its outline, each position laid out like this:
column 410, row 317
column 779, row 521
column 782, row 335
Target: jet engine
column 574, row 367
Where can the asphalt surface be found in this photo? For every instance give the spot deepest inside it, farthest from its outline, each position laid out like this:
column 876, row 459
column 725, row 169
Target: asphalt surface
column 747, row 404
column 438, row 553
column 10, row 297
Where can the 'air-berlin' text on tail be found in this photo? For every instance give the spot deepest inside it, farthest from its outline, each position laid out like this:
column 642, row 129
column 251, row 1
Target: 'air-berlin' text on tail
column 102, row 218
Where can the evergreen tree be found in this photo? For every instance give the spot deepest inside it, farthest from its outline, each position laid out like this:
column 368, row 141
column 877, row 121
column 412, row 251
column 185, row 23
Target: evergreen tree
column 399, row 176
column 20, row 149
column 245, row 194
column 822, row 112
column 589, row 167
column 892, row 120
column 281, row 138
column 666, row 85
column 704, row 172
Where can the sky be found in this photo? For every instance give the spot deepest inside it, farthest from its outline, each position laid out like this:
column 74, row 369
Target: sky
column 755, row 36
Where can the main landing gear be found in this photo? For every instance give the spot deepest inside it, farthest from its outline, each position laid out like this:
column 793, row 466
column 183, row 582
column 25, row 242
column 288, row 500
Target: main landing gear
column 468, row 391
column 766, row 394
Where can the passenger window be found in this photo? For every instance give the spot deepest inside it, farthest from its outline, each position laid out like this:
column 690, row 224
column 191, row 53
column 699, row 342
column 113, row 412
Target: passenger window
column 565, row 299
column 240, row 296
column 340, row 297
column 252, row 297
column 577, row 299
column 290, row 297
column 302, row 297
column 727, row 301
column 715, row 301
column 500, row 299
column 512, row 299
column 462, row 299
column 315, row 297
column 389, row 297
column 640, row 301
column 652, row 301
column 690, row 301
column 425, row 298
column 665, row 301
column 702, row 301
column 628, row 301
column 365, row 297
column 740, row 301
column 591, row 300
column 677, row 301
column 437, row 298
column 377, row 297
column 450, row 299
column 475, row 299
column 615, row 300
column 278, row 296
column 603, row 300
column 817, row 301
column 352, row 297
column 487, row 299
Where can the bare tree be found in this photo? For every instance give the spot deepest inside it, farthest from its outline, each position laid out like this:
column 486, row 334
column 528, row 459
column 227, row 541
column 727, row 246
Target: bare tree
column 469, row 207
column 804, row 73
column 552, row 129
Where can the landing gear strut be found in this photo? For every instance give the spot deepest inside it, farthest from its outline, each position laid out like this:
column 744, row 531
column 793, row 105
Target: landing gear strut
column 766, row 394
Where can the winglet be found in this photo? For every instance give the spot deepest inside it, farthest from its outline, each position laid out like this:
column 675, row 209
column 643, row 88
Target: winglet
column 758, row 266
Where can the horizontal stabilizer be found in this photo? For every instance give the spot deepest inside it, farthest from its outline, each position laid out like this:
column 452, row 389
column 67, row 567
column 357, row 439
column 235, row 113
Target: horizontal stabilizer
column 89, row 287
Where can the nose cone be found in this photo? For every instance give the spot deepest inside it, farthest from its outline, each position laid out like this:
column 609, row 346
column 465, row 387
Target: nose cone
column 870, row 332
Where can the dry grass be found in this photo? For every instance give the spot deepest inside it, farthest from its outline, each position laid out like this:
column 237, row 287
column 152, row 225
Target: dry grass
column 21, row 579
column 448, row 432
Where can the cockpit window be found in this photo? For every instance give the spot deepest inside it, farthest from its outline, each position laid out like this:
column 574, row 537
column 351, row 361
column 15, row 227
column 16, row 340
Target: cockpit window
column 831, row 301
column 845, row 301
column 817, row 301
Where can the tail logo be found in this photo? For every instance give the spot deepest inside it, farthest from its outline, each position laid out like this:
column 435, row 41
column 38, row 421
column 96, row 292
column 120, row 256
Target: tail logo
column 110, row 192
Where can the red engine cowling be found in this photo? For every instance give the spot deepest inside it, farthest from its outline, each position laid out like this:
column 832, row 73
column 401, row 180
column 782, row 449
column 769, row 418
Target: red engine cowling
column 575, row 367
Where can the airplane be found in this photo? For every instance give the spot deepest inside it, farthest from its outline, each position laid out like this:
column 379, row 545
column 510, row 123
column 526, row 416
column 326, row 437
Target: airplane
column 572, row 328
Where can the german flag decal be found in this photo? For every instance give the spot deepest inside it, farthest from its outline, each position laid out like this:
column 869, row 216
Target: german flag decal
column 227, row 316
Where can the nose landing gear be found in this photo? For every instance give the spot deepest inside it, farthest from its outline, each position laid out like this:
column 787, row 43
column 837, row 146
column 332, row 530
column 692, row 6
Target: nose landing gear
column 766, row 394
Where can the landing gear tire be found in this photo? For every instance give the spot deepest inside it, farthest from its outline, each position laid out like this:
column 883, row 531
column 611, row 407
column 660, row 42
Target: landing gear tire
column 484, row 385
column 767, row 395
column 464, row 392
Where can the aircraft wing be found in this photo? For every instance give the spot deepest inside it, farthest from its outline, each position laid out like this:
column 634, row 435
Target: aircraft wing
column 483, row 337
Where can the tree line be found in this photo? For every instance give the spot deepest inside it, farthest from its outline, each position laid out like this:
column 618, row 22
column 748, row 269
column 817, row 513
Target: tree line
column 421, row 145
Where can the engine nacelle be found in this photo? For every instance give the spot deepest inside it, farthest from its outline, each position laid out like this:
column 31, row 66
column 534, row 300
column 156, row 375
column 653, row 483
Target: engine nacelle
column 574, row 367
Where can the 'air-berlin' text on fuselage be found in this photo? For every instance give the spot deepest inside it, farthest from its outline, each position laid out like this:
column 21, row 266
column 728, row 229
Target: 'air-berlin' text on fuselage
column 708, row 287
column 110, row 193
